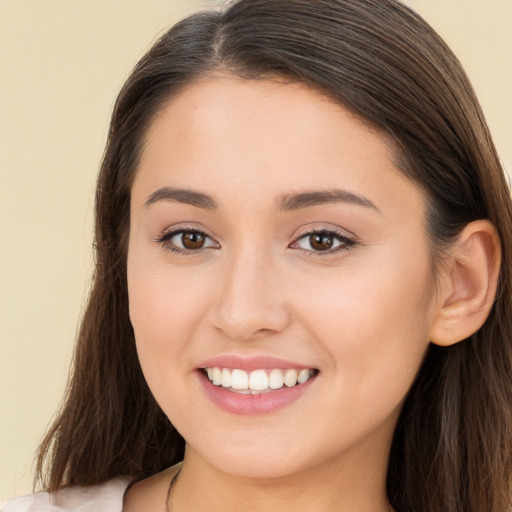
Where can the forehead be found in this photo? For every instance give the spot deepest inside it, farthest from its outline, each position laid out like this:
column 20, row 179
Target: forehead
column 213, row 104
column 239, row 135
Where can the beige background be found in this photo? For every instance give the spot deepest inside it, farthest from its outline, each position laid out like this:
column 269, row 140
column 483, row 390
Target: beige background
column 61, row 65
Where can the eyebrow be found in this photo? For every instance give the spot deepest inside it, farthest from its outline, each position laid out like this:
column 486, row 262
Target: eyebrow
column 182, row 195
column 302, row 200
column 285, row 202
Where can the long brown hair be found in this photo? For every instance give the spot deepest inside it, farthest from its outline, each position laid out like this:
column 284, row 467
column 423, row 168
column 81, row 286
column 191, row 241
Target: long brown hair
column 452, row 448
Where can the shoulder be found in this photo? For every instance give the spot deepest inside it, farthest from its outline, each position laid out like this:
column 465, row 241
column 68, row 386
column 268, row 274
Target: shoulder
column 107, row 497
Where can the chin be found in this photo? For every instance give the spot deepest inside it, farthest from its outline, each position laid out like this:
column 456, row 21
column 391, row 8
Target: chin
column 260, row 456
column 261, row 468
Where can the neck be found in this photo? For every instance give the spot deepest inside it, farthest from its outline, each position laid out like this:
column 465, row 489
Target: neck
column 337, row 486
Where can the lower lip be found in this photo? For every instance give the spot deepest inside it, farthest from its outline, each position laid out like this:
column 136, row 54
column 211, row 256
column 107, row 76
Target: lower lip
column 247, row 404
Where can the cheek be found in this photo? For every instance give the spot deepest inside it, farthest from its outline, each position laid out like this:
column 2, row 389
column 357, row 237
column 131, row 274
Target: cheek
column 165, row 310
column 375, row 340
column 164, row 307
column 374, row 325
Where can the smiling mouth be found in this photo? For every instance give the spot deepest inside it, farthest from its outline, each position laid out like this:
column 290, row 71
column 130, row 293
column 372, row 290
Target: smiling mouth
column 258, row 381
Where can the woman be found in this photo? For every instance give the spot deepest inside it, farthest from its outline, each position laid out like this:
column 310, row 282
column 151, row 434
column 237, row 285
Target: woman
column 302, row 296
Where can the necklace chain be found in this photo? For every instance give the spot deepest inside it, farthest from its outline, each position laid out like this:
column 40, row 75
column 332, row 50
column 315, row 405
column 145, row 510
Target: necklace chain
column 172, row 483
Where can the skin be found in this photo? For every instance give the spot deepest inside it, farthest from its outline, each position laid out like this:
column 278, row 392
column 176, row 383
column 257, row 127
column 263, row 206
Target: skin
column 361, row 315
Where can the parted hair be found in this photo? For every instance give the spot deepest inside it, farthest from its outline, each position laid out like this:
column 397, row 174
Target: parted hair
column 452, row 447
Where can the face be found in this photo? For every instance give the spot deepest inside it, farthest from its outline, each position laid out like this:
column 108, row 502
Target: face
column 279, row 277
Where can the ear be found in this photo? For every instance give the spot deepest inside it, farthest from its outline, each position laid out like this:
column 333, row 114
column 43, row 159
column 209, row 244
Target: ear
column 468, row 284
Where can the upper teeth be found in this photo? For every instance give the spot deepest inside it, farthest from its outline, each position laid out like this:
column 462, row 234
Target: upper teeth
column 256, row 381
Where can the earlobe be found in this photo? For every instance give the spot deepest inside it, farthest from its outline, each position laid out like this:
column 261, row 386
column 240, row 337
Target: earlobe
column 468, row 284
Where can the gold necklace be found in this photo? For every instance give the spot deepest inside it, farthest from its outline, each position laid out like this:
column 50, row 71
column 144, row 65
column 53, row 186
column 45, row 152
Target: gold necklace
column 170, row 489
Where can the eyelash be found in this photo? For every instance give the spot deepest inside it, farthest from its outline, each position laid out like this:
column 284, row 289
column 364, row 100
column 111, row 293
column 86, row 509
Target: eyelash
column 346, row 243
column 165, row 238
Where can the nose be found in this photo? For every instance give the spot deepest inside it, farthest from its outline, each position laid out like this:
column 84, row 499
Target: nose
column 251, row 302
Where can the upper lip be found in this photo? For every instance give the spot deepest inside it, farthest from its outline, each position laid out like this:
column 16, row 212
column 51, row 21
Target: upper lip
column 250, row 363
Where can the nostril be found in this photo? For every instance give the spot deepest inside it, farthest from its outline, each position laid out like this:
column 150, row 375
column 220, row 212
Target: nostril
column 243, row 332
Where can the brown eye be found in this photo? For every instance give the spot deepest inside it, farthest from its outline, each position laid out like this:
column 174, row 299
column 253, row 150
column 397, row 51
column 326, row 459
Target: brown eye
column 187, row 240
column 192, row 240
column 321, row 241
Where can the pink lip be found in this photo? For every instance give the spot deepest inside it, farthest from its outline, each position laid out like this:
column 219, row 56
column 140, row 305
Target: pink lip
column 250, row 363
column 263, row 403
column 247, row 404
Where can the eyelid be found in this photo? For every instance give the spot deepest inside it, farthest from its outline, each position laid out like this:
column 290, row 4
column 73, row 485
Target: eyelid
column 171, row 230
column 166, row 235
column 348, row 240
column 320, row 227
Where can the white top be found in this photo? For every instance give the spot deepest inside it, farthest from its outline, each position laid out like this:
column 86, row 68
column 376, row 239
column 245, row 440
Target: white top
column 106, row 497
